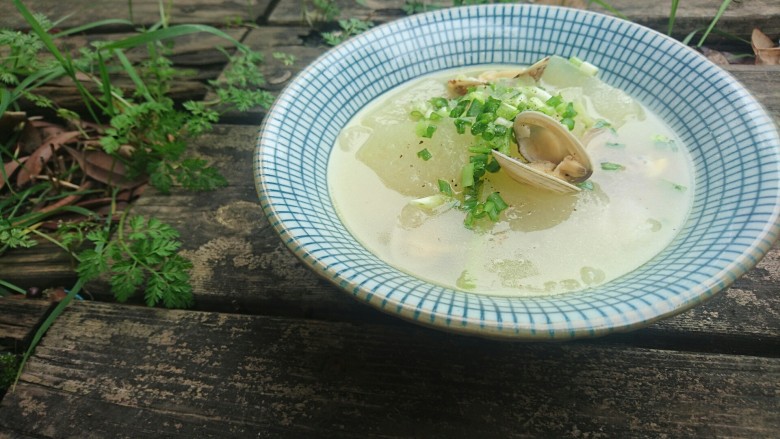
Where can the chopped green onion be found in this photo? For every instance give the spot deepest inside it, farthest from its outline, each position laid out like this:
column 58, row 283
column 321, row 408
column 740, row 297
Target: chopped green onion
column 465, row 281
column 478, row 211
column 506, row 111
column 479, row 149
column 664, row 142
column 492, row 166
column 491, row 105
column 486, row 117
column 439, row 102
column 601, row 123
column 467, row 175
column 425, row 129
column 500, row 130
column 568, row 122
column 478, row 128
column 459, row 109
column 615, row 145
column 506, row 123
column 475, row 109
column 609, row 166
column 587, row 185
column 499, row 202
column 584, row 66
column 445, row 187
column 555, row 101
column 461, row 124
column 424, row 154
column 490, row 208
column 675, row 186
column 569, row 111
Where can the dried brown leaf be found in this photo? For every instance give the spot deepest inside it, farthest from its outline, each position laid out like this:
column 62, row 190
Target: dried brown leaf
column 38, row 159
column 48, row 129
column 67, row 201
column 764, row 48
column 103, row 168
column 10, row 168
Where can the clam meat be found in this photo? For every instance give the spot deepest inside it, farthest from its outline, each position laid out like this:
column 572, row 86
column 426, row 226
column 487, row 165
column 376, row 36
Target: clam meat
column 551, row 157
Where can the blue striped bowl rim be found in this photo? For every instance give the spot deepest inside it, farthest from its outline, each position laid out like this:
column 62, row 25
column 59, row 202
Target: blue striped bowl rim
column 733, row 142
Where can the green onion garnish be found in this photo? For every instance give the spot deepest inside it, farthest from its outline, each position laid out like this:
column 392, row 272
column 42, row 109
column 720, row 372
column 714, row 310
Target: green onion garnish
column 554, row 101
column 445, row 187
column 467, row 175
column 459, row 109
column 438, row 102
column 424, row 154
column 425, row 129
column 609, row 166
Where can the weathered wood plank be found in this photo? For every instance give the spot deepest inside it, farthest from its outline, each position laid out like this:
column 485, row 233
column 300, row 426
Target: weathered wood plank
column 18, row 319
column 241, row 265
column 41, row 266
column 144, row 12
column 740, row 18
column 763, row 82
column 118, row 371
column 239, row 259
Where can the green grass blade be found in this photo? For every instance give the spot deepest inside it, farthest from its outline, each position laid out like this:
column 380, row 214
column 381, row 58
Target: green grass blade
column 5, row 100
column 170, row 32
column 687, row 40
column 105, row 85
column 689, row 37
column 32, row 218
column 92, row 25
column 128, row 66
column 37, row 79
column 732, row 36
column 45, row 326
column 672, row 15
column 12, row 287
column 723, row 6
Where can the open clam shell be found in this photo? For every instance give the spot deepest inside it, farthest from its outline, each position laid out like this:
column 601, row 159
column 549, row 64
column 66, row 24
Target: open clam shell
column 554, row 159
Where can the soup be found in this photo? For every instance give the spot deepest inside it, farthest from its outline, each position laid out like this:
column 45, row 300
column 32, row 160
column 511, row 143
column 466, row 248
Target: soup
column 398, row 187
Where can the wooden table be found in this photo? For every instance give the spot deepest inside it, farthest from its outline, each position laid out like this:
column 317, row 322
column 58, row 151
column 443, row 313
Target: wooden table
column 272, row 350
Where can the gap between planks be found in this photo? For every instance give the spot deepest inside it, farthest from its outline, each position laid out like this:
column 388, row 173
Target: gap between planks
column 119, row 371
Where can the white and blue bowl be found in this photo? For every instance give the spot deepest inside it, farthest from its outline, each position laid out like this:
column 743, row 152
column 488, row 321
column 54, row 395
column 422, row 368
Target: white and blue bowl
column 733, row 142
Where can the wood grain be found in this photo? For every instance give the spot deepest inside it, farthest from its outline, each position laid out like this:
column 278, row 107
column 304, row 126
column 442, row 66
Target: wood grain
column 117, row 371
column 240, row 264
column 18, row 319
column 144, row 12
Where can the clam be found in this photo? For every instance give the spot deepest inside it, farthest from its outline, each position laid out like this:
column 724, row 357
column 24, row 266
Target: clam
column 554, row 159
column 461, row 85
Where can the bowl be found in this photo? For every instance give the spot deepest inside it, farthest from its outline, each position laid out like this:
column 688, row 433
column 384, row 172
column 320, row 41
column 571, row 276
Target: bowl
column 732, row 140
